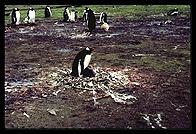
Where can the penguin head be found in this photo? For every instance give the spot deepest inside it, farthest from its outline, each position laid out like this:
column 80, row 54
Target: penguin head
column 30, row 8
column 16, row 9
column 89, row 50
column 176, row 9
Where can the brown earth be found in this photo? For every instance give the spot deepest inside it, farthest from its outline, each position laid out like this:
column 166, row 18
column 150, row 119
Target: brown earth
column 157, row 55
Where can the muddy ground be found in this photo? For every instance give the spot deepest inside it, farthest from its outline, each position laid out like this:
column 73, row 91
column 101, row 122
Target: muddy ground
column 155, row 55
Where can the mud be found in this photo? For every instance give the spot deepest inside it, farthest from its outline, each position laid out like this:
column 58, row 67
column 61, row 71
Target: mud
column 156, row 56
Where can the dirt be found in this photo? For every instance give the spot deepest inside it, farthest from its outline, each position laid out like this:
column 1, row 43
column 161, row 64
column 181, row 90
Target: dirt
column 156, row 55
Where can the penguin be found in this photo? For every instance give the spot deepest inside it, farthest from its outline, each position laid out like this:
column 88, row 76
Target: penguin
column 103, row 18
column 15, row 16
column 103, row 21
column 85, row 14
column 66, row 15
column 73, row 16
column 91, row 20
column 48, row 12
column 81, row 62
column 88, row 72
column 173, row 12
column 31, row 15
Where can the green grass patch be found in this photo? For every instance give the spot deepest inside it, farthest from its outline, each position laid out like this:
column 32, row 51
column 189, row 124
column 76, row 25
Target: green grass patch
column 159, row 64
column 129, row 11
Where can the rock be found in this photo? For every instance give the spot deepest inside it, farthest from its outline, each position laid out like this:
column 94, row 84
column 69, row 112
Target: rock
column 52, row 111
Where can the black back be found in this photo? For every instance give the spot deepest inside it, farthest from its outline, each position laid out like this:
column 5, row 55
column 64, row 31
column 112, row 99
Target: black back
column 104, row 17
column 47, row 12
column 13, row 16
column 91, row 20
column 65, row 15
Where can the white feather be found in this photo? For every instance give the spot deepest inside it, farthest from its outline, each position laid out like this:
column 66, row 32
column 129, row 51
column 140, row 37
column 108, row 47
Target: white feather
column 79, row 68
column 87, row 60
column 17, row 17
column 100, row 19
column 68, row 13
column 49, row 10
column 72, row 16
column 31, row 16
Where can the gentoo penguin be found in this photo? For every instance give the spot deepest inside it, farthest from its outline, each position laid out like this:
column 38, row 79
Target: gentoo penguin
column 103, row 18
column 15, row 16
column 103, row 21
column 73, row 16
column 66, row 15
column 85, row 14
column 173, row 12
column 91, row 20
column 48, row 12
column 31, row 15
column 81, row 62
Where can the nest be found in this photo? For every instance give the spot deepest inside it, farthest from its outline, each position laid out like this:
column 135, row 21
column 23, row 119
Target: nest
column 113, row 83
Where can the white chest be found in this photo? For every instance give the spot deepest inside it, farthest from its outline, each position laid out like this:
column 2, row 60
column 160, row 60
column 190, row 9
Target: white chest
column 68, row 13
column 17, row 14
column 17, row 17
column 87, row 60
column 32, row 14
column 72, row 16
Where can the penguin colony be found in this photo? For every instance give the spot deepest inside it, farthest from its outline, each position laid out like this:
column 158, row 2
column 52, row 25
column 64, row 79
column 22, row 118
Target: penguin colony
column 80, row 66
column 88, row 17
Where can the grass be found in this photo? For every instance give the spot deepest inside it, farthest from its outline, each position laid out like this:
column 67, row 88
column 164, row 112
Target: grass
column 129, row 11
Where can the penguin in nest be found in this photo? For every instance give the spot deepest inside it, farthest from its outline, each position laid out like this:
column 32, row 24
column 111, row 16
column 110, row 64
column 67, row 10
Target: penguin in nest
column 80, row 66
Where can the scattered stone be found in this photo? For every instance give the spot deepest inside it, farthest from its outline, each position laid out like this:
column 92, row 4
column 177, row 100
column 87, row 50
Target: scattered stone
column 52, row 111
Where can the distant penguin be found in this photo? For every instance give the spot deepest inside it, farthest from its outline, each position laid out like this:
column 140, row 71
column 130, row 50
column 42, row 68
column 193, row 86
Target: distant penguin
column 48, row 12
column 15, row 16
column 73, row 16
column 85, row 14
column 91, row 20
column 103, row 18
column 66, row 14
column 173, row 12
column 31, row 15
column 81, row 62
